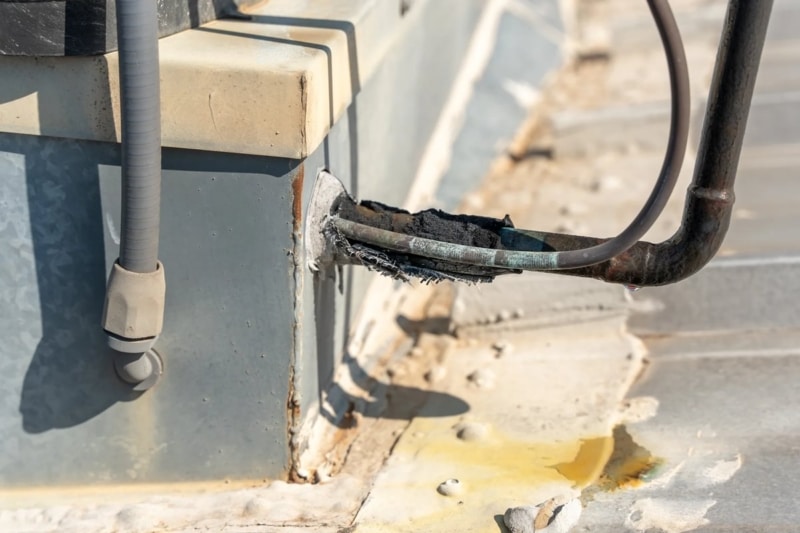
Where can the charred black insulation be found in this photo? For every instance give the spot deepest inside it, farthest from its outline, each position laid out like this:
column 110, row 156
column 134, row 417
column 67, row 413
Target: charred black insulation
column 469, row 230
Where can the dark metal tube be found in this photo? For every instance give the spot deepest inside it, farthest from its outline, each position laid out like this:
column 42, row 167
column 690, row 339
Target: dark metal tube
column 137, row 29
column 710, row 197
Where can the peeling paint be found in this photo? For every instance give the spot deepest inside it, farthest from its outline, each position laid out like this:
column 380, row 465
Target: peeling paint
column 668, row 515
column 723, row 471
column 628, row 465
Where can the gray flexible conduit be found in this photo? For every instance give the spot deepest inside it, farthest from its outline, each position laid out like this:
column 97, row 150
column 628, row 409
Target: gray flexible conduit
column 568, row 259
column 137, row 33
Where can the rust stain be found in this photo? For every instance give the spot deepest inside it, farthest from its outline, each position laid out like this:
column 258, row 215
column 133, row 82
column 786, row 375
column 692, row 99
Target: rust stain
column 293, row 409
column 294, row 415
column 630, row 465
column 587, row 465
column 297, row 200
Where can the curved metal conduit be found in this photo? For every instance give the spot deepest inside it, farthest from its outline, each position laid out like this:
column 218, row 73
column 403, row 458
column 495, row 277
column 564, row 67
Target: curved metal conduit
column 709, row 200
column 134, row 309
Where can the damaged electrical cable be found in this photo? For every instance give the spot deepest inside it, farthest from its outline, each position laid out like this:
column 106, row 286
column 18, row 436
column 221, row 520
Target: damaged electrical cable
column 434, row 245
column 433, row 225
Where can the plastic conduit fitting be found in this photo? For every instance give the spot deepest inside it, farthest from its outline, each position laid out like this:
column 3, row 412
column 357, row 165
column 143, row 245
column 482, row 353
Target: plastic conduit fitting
column 133, row 314
column 142, row 370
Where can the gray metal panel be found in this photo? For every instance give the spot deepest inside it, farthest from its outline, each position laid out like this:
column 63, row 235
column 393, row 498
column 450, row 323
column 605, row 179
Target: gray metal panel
column 55, row 368
column 220, row 409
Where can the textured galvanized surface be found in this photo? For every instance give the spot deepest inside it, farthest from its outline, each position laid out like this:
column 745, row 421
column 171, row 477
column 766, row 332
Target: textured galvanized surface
column 219, row 410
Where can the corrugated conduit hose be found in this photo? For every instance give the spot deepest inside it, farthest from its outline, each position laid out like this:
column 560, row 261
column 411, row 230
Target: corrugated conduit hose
column 137, row 31
column 134, row 306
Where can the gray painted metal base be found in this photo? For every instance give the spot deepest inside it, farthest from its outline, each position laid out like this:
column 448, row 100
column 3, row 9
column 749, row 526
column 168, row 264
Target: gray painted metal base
column 219, row 410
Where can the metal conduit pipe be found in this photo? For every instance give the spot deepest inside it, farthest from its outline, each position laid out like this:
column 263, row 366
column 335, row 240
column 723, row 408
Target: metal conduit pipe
column 710, row 197
column 134, row 306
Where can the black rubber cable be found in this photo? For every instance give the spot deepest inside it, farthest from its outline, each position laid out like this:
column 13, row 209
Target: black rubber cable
column 566, row 259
